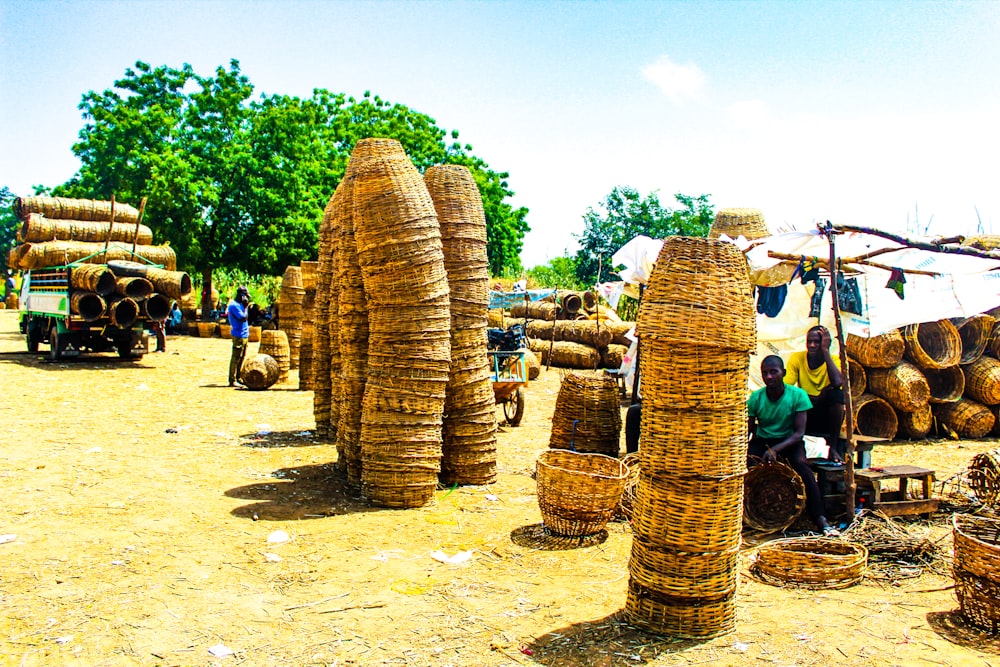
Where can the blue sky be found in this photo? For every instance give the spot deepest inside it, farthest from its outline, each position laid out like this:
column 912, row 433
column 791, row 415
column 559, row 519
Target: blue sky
column 877, row 113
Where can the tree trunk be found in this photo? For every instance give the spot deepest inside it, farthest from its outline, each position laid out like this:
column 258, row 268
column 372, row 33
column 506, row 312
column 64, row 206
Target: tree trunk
column 206, row 294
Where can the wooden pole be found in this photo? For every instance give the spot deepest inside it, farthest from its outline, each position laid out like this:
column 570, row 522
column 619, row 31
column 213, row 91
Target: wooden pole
column 939, row 245
column 849, row 485
column 111, row 225
column 635, row 375
column 552, row 339
column 138, row 221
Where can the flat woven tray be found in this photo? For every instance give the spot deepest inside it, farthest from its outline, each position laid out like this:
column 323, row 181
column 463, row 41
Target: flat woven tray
column 810, row 562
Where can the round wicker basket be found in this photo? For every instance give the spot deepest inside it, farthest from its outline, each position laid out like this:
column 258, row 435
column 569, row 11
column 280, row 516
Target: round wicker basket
column 587, row 416
column 916, row 424
column 977, row 569
column 982, row 380
column 975, row 334
column 858, row 377
column 968, row 418
column 903, row 386
column 810, row 562
column 259, row 372
column 984, row 477
column 875, row 417
column 933, row 344
column 734, row 222
column 682, row 617
column 207, row 329
column 773, row 497
column 946, row 384
column 883, row 351
column 578, row 493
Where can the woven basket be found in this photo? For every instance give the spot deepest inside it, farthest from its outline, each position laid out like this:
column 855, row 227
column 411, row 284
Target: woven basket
column 588, row 332
column 933, row 344
column 57, row 253
column 683, row 573
column 64, row 208
column 38, row 229
column 858, row 377
column 695, row 442
column 811, row 562
column 682, row 617
column 916, row 424
column 88, row 305
column 93, row 278
column 308, row 274
column 254, row 336
column 259, row 372
column 274, row 343
column 975, row 334
column 977, row 569
column 206, row 329
column 903, row 385
column 699, row 294
column 984, row 477
column 966, row 417
column 875, row 417
column 695, row 377
column 688, row 513
column 565, row 354
column 773, row 497
column 946, row 384
column 578, row 493
column 983, row 241
column 982, row 380
column 734, row 222
column 225, row 331
column 993, row 345
column 587, row 416
column 612, row 356
column 537, row 310
column 883, row 351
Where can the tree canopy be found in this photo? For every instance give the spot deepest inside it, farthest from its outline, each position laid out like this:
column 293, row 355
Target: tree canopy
column 241, row 183
column 625, row 215
column 8, row 227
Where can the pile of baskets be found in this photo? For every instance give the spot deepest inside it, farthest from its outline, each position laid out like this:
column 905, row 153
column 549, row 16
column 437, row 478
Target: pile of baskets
column 944, row 371
column 290, row 309
column 469, row 430
column 308, row 328
column 696, row 329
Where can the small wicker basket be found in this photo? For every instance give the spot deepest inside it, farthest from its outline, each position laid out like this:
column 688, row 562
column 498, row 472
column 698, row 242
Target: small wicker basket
column 977, row 569
column 578, row 493
column 810, row 562
column 773, row 497
column 984, row 477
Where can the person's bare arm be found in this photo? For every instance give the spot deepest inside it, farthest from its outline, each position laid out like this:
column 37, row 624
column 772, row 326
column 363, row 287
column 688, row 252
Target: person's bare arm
column 800, row 430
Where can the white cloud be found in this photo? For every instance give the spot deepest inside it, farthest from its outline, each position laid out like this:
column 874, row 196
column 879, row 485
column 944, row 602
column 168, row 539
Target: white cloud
column 678, row 82
column 749, row 114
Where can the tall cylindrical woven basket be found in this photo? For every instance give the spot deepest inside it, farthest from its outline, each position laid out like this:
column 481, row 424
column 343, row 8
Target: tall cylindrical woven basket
column 324, row 353
column 274, row 344
column 696, row 328
column 469, row 449
column 290, row 309
column 587, row 417
column 399, row 251
column 735, row 222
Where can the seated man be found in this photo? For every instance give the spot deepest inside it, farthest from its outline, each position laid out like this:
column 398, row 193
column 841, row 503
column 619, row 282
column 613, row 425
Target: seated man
column 818, row 373
column 777, row 422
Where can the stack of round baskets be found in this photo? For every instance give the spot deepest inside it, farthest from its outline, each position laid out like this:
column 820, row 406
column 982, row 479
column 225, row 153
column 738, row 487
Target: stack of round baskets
column 469, row 448
column 274, row 344
column 309, row 281
column 409, row 320
column 587, row 417
column 326, row 350
column 578, row 493
column 977, row 569
column 735, row 222
column 290, row 308
column 696, row 328
column 811, row 562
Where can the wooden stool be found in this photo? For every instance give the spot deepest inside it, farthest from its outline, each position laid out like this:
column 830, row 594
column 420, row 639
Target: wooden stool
column 896, row 503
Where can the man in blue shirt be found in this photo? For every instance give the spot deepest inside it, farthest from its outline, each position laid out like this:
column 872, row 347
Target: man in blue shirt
column 777, row 422
column 236, row 313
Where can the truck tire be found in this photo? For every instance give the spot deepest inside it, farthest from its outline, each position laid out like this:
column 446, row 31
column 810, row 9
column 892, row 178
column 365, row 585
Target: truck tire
column 32, row 342
column 55, row 346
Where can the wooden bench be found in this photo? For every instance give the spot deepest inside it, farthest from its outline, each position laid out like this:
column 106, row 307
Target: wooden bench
column 898, row 503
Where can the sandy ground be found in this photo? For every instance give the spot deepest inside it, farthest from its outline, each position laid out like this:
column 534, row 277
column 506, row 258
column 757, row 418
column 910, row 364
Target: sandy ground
column 142, row 495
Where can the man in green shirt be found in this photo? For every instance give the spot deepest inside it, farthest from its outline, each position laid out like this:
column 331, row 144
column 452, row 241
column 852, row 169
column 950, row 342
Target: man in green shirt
column 776, row 424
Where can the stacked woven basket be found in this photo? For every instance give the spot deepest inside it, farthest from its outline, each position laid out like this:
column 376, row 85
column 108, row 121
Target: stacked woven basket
column 977, row 569
column 290, row 309
column 326, row 339
column 469, row 430
column 274, row 343
column 696, row 329
column 927, row 372
column 309, row 278
column 587, row 417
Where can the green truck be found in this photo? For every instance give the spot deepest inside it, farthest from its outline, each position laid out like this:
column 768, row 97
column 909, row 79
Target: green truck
column 71, row 320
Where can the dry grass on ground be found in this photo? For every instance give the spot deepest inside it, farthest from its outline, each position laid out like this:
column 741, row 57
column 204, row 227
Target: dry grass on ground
column 143, row 494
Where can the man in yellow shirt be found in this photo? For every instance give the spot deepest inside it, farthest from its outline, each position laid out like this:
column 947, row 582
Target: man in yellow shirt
column 818, row 373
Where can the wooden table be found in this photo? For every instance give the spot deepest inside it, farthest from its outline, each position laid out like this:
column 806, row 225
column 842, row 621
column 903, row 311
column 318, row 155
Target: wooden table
column 897, row 503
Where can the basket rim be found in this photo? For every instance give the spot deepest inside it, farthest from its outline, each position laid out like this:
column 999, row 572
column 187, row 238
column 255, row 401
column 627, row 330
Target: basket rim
column 860, row 551
column 623, row 469
column 959, row 516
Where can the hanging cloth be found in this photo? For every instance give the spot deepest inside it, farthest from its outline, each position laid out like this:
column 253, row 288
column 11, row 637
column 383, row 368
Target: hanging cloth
column 770, row 300
column 896, row 282
column 849, row 295
column 816, row 304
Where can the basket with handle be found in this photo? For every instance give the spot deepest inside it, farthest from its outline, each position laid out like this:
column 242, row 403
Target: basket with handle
column 578, row 493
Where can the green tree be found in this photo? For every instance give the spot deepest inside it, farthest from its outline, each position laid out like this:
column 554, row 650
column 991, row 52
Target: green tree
column 8, row 227
column 625, row 215
column 239, row 183
column 560, row 272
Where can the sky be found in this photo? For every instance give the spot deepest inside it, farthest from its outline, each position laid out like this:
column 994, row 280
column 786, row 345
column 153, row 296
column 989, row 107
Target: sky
column 883, row 114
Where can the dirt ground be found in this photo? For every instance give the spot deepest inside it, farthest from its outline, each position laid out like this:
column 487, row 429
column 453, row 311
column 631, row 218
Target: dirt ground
column 142, row 496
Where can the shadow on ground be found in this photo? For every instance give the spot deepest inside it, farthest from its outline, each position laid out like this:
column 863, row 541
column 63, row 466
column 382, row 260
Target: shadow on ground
column 304, row 492
column 537, row 536
column 952, row 626
column 269, row 439
column 607, row 642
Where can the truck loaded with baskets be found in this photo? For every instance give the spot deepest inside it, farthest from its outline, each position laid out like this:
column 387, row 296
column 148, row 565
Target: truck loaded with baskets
column 88, row 284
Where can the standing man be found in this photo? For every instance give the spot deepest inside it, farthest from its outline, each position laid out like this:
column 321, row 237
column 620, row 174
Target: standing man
column 236, row 313
column 8, row 287
column 777, row 422
column 818, row 373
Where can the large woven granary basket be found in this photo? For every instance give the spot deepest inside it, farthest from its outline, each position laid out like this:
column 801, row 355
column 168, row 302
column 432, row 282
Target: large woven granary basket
column 587, row 416
column 682, row 617
column 977, row 569
column 975, row 334
column 38, row 229
column 811, row 562
column 984, row 477
column 259, row 372
column 882, row 351
column 946, row 384
column 735, row 222
column 699, row 294
column 916, row 424
column 875, row 417
column 578, row 493
column 968, row 418
column 773, row 497
column 982, row 380
column 689, row 441
column 688, row 513
column 903, row 386
column 697, row 377
column 933, row 344
column 274, row 343
column 64, row 208
column 857, row 376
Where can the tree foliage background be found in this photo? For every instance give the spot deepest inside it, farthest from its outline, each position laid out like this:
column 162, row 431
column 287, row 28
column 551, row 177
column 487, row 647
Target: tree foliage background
column 8, row 227
column 241, row 183
column 624, row 215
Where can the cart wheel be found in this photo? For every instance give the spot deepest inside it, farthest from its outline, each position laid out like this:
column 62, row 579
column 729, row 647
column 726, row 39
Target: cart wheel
column 32, row 338
column 513, row 407
column 55, row 345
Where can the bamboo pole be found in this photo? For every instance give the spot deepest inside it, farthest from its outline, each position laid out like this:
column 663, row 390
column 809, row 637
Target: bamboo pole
column 111, row 225
column 939, row 245
column 638, row 346
column 849, row 485
column 552, row 341
column 849, row 260
column 138, row 220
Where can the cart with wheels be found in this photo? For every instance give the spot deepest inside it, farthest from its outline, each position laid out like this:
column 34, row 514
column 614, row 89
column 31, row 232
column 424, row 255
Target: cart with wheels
column 509, row 374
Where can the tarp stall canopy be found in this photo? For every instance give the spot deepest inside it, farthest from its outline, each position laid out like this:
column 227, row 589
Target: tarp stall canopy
column 508, row 299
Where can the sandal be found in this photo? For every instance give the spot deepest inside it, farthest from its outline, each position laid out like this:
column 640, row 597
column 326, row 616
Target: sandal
column 830, row 531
